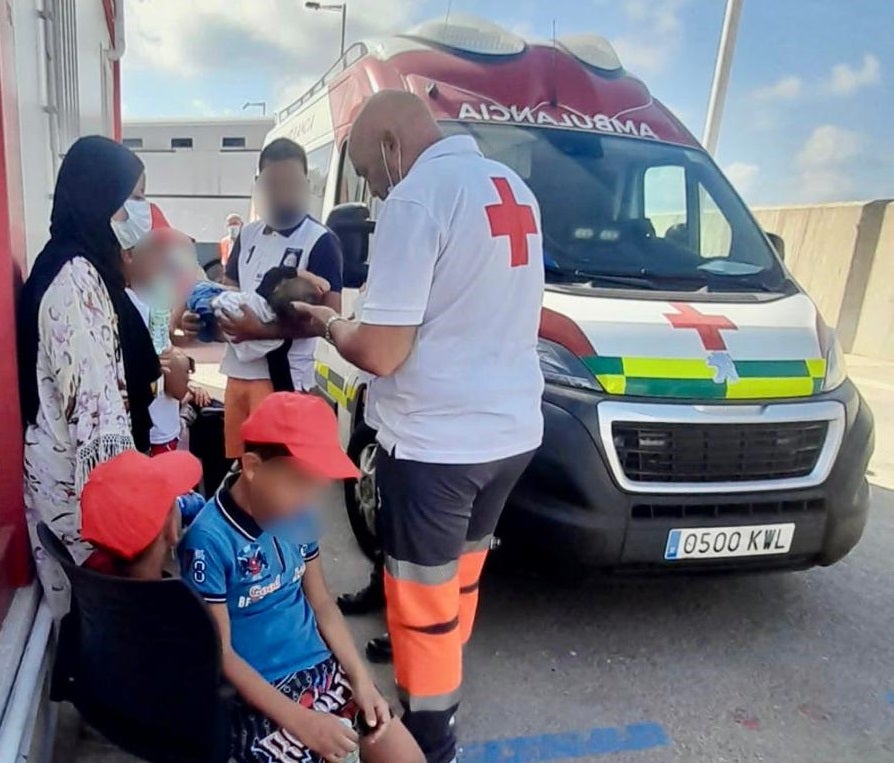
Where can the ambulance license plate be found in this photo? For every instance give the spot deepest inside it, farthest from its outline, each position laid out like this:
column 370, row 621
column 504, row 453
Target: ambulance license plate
column 719, row 542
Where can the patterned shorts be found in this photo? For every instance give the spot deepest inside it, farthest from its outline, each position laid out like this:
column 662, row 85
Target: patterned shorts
column 257, row 739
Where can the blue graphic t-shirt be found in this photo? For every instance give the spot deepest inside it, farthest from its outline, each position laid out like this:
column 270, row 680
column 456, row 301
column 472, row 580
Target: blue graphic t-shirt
column 228, row 558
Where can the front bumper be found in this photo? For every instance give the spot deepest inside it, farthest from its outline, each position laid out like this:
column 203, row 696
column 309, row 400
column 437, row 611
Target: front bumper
column 570, row 505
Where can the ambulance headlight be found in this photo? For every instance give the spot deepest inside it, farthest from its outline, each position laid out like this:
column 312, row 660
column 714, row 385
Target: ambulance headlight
column 836, row 370
column 559, row 366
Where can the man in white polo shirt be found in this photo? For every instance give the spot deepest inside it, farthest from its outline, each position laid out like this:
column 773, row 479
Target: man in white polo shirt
column 449, row 328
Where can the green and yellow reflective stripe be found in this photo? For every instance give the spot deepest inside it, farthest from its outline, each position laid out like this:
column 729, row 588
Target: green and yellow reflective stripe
column 694, row 377
column 334, row 387
column 749, row 389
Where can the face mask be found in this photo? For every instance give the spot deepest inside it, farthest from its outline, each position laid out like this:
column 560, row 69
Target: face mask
column 400, row 168
column 129, row 232
column 234, row 230
column 300, row 529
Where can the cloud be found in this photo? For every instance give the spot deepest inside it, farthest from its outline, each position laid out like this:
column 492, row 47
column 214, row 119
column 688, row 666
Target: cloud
column 825, row 163
column 276, row 39
column 828, row 145
column 786, row 89
column 742, row 175
column 202, row 108
column 657, row 35
column 846, row 79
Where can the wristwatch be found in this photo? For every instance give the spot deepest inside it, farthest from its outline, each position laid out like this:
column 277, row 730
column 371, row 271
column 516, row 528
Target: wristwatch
column 327, row 335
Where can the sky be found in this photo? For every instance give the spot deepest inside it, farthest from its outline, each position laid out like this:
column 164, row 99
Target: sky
column 809, row 110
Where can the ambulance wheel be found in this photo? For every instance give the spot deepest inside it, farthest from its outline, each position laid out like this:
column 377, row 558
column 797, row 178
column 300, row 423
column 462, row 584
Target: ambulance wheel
column 360, row 495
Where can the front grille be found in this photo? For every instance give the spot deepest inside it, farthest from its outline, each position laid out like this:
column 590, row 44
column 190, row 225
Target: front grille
column 752, row 510
column 678, row 452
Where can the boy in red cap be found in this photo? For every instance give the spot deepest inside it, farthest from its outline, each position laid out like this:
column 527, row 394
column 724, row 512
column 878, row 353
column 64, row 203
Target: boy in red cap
column 253, row 554
column 134, row 530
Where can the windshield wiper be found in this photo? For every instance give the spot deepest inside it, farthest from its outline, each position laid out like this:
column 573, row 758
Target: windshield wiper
column 622, row 279
column 742, row 283
column 669, row 281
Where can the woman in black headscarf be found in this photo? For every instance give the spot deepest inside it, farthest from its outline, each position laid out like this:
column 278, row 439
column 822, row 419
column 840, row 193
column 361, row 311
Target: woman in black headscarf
column 87, row 366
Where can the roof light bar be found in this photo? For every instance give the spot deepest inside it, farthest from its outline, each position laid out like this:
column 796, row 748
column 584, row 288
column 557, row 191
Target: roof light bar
column 470, row 35
column 593, row 50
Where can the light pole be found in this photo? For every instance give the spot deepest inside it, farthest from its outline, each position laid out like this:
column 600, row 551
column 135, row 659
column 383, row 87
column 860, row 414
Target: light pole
column 335, row 7
column 721, row 74
column 257, row 104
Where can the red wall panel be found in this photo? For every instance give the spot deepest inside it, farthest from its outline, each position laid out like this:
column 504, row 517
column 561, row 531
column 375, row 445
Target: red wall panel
column 15, row 559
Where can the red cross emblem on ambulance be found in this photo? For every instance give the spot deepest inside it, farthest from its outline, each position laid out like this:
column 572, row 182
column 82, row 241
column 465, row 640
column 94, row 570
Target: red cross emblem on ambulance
column 509, row 218
column 707, row 326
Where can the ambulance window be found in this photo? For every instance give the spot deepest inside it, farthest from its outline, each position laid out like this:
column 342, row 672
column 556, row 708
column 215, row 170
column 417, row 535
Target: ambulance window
column 352, row 186
column 318, row 162
column 715, row 234
column 664, row 198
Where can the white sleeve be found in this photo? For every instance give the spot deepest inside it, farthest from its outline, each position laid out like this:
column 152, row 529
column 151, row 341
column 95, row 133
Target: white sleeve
column 405, row 249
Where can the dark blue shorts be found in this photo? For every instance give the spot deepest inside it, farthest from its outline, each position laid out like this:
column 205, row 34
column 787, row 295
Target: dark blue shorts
column 257, row 739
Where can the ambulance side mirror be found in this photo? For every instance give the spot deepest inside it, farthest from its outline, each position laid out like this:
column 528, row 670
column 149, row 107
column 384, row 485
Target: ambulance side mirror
column 778, row 244
column 351, row 223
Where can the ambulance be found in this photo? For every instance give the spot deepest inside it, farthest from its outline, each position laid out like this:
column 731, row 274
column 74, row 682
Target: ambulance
column 698, row 415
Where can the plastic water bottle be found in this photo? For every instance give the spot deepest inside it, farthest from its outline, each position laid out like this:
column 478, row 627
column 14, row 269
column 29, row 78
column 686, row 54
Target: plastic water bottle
column 160, row 331
column 351, row 757
column 160, row 328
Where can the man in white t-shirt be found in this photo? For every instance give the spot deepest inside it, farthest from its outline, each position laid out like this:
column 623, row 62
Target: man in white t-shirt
column 449, row 327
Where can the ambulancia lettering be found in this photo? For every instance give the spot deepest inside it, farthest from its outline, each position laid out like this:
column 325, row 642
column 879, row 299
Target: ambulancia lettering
column 495, row 112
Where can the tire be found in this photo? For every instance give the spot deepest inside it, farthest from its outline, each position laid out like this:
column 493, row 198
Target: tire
column 360, row 496
column 214, row 271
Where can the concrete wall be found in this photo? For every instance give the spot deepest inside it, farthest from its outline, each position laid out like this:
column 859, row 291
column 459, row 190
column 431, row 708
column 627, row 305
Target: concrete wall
column 875, row 334
column 843, row 255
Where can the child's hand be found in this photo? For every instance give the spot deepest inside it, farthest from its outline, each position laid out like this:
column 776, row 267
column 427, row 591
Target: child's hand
column 325, row 734
column 199, row 396
column 372, row 704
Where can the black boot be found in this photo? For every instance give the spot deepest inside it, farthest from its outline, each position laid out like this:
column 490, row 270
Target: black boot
column 367, row 600
column 378, row 650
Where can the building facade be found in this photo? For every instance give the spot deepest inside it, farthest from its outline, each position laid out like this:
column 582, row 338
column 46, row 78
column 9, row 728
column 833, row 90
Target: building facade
column 199, row 171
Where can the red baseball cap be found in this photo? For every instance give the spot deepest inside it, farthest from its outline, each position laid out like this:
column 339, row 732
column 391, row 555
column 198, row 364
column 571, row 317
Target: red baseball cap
column 128, row 498
column 306, row 426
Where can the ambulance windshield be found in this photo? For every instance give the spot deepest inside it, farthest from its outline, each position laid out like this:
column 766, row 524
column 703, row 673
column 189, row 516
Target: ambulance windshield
column 622, row 212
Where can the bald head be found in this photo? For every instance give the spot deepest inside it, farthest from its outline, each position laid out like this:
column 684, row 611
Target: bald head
column 391, row 131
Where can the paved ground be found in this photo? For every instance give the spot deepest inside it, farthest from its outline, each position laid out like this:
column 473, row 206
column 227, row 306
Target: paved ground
column 785, row 667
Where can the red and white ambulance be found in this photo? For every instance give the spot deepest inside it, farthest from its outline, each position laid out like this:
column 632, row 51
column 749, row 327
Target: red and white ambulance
column 698, row 413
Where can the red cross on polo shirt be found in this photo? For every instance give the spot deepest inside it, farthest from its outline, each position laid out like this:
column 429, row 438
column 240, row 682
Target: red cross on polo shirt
column 707, row 326
column 509, row 218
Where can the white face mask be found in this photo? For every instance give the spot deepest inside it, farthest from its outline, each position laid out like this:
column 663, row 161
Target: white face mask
column 400, row 168
column 129, row 232
column 234, row 230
